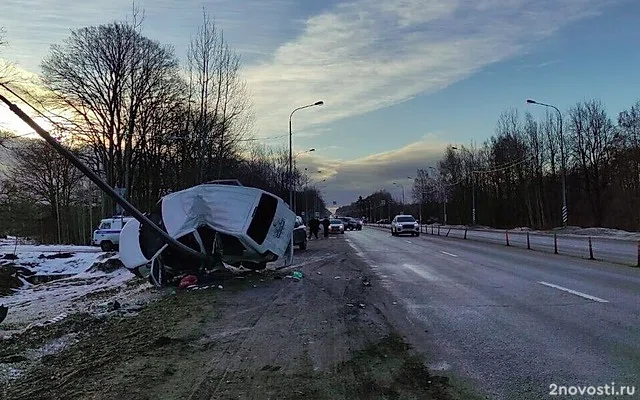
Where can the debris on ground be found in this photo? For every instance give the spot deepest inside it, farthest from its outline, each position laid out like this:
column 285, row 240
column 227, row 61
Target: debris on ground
column 3, row 312
column 55, row 255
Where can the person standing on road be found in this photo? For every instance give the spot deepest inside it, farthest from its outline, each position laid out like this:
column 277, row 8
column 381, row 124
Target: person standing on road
column 325, row 227
column 314, row 227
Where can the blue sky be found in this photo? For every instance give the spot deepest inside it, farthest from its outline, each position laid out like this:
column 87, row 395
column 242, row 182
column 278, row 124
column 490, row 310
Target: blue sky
column 400, row 78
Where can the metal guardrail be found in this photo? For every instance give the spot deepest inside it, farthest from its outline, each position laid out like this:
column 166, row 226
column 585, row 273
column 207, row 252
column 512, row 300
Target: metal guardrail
column 619, row 251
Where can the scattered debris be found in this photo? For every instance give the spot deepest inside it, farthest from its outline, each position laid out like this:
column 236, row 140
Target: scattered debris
column 297, row 275
column 10, row 256
column 319, row 273
column 361, row 305
column 12, row 359
column 336, row 277
column 107, row 265
column 3, row 312
column 114, row 306
column 220, row 287
column 56, row 255
column 350, row 305
column 187, row 281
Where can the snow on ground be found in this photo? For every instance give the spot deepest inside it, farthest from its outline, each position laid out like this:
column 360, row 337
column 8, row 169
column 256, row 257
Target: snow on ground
column 86, row 280
column 85, row 292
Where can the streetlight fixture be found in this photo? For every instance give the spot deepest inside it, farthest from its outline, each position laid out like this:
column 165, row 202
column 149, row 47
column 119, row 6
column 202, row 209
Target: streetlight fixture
column 317, row 103
column 565, row 213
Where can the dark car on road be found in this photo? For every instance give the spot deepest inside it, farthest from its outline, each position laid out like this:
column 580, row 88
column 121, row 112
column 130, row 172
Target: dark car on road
column 349, row 223
column 358, row 223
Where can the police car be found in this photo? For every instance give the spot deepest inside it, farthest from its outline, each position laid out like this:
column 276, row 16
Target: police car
column 107, row 236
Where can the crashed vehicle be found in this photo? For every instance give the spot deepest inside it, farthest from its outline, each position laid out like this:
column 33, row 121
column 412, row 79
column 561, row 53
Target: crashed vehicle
column 236, row 225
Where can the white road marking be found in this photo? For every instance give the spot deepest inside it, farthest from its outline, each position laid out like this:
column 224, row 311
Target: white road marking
column 408, row 241
column 584, row 295
column 449, row 254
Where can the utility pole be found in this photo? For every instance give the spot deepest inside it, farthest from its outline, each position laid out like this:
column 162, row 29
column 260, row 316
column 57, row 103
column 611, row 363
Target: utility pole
column 565, row 212
column 473, row 197
column 290, row 177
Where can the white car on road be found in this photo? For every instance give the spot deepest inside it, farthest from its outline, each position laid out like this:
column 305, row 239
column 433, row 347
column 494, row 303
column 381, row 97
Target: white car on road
column 405, row 224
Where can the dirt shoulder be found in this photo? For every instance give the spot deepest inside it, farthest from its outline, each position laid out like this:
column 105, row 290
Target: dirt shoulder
column 266, row 336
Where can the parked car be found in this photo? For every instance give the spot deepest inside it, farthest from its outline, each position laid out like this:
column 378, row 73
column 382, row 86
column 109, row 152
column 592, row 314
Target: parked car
column 404, row 224
column 336, row 226
column 107, row 236
column 300, row 234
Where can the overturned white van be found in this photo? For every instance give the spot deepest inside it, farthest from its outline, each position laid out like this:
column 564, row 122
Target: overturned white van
column 241, row 225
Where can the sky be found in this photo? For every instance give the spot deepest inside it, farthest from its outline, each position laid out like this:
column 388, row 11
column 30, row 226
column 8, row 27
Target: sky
column 400, row 79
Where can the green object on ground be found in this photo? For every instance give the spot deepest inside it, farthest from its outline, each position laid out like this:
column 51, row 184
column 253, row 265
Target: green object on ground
column 297, row 275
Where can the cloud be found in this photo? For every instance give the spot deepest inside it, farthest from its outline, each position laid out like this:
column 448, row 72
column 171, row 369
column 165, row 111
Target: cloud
column 366, row 54
column 346, row 180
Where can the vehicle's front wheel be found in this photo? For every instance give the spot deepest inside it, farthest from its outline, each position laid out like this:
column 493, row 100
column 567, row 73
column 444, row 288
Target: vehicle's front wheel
column 106, row 245
column 303, row 245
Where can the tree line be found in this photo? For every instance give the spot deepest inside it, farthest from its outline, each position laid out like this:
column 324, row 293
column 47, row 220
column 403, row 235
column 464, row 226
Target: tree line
column 515, row 177
column 143, row 122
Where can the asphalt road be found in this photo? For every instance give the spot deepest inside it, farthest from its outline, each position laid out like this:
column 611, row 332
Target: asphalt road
column 512, row 321
column 606, row 249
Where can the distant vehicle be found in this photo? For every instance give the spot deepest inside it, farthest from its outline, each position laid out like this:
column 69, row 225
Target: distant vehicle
column 404, row 224
column 349, row 223
column 300, row 234
column 359, row 223
column 107, row 236
column 336, row 226
column 382, row 221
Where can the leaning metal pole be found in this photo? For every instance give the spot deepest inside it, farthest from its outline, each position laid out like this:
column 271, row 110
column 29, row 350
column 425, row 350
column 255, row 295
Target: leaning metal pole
column 101, row 184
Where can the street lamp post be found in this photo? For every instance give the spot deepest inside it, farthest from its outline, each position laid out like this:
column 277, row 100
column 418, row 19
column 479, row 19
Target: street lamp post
column 473, row 197
column 317, row 103
column 565, row 212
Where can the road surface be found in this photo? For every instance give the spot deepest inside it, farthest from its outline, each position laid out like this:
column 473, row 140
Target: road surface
column 512, row 321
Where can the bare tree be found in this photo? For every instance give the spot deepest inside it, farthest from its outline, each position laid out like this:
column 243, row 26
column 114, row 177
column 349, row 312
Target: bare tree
column 110, row 76
column 217, row 97
column 44, row 176
column 592, row 138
